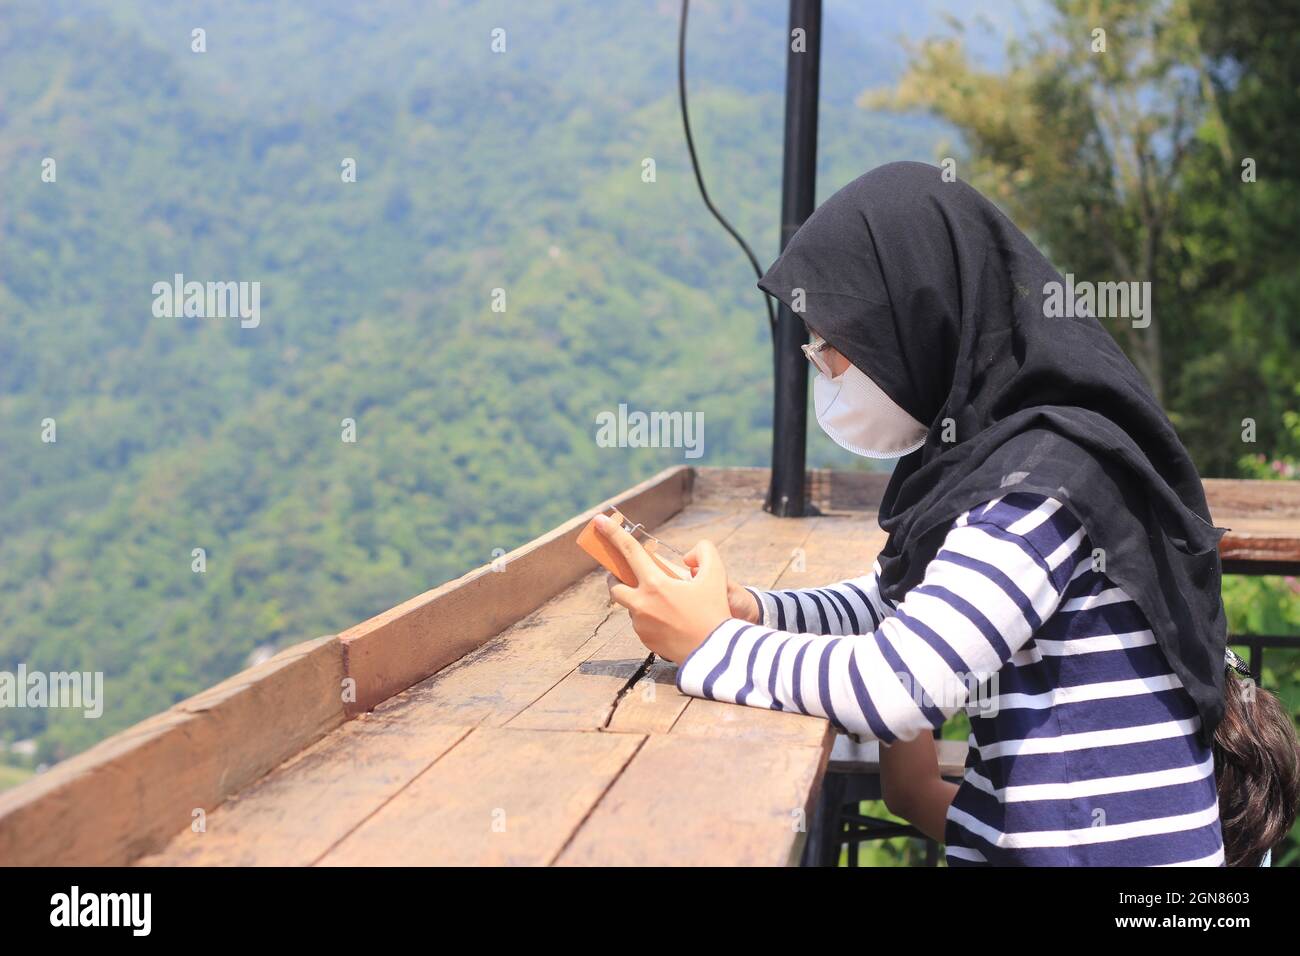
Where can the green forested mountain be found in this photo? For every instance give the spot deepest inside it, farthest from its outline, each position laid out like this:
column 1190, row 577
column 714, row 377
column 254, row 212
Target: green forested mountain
column 476, row 171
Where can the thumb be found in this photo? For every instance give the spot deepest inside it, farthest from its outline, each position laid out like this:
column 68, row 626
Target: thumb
column 707, row 559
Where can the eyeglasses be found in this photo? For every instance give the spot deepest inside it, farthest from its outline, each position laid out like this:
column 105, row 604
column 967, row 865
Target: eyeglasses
column 814, row 350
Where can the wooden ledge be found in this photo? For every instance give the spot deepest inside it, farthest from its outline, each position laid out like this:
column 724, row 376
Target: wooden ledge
column 131, row 793
column 404, row 645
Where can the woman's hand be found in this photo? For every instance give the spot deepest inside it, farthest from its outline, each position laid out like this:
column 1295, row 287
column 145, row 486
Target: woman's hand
column 742, row 603
column 672, row 617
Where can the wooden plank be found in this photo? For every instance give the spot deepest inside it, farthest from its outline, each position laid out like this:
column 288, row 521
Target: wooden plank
column 1245, row 498
column 734, row 486
column 686, row 801
column 294, row 815
column 1262, row 518
column 758, row 552
column 501, row 797
column 495, row 682
column 1264, row 544
column 586, row 697
column 861, row 491
column 652, row 705
column 405, row 644
column 712, row 718
column 825, row 489
column 849, row 756
column 838, row 547
column 128, row 795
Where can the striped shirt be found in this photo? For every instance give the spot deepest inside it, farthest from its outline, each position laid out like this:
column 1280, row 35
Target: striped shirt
column 1083, row 746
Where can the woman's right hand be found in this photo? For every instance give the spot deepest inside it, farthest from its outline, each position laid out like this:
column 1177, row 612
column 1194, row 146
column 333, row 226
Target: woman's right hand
column 742, row 604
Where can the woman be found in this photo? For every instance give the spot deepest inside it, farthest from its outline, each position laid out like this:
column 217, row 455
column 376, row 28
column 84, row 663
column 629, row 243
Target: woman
column 1051, row 566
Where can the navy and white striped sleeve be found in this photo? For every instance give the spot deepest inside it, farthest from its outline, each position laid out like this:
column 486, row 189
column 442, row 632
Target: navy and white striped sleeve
column 999, row 574
column 854, row 606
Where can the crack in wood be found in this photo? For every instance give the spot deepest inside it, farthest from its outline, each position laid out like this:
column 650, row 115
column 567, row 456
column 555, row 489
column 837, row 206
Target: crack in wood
column 627, row 686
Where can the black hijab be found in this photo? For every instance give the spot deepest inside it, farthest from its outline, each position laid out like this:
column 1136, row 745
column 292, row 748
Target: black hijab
column 932, row 292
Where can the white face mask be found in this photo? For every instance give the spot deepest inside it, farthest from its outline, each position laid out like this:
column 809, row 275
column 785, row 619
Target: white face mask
column 859, row 417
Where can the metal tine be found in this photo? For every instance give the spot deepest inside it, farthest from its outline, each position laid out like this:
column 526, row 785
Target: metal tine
column 632, row 529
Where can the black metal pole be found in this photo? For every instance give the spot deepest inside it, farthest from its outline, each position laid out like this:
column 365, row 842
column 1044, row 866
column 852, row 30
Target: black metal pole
column 785, row 494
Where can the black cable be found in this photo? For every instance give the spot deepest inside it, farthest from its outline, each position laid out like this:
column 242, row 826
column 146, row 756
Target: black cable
column 695, row 164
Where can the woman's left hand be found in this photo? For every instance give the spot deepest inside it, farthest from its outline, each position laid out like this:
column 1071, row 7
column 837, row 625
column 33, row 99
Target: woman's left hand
column 672, row 617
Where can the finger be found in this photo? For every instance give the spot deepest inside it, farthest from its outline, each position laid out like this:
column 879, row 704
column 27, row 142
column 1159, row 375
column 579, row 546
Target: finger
column 623, row 594
column 707, row 557
column 629, row 547
column 692, row 561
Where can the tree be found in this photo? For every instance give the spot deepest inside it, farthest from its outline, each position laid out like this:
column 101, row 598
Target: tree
column 1083, row 139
